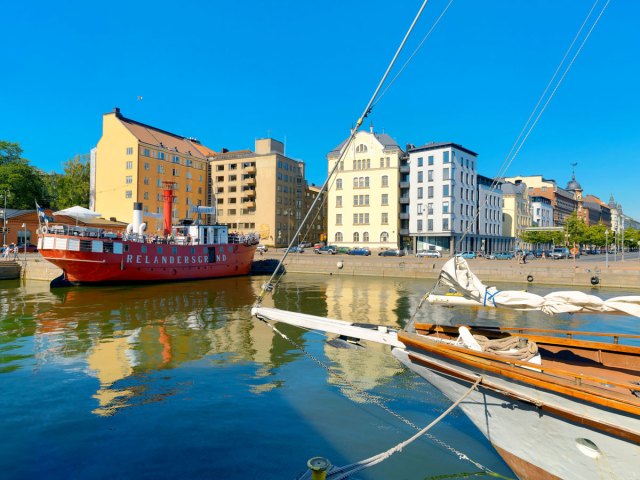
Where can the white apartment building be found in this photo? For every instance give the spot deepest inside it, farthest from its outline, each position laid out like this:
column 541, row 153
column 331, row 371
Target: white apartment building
column 443, row 197
column 489, row 220
column 363, row 201
column 541, row 212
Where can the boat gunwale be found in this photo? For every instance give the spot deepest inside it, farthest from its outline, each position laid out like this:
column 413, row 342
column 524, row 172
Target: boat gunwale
column 532, row 374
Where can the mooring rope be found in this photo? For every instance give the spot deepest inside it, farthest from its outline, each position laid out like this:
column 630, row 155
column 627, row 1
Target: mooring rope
column 376, row 401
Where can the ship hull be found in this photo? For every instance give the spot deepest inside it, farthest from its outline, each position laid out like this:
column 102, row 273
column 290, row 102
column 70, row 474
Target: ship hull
column 133, row 262
column 534, row 443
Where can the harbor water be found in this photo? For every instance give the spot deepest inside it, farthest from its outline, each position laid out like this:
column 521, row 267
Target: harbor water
column 179, row 381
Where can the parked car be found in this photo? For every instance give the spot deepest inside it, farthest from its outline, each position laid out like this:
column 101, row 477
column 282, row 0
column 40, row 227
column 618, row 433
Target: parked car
column 296, row 249
column 343, row 249
column 262, row 249
column 327, row 249
column 501, row 256
column 359, row 251
column 392, row 252
column 30, row 247
column 559, row 253
column 306, row 245
column 319, row 244
column 428, row 254
column 467, row 255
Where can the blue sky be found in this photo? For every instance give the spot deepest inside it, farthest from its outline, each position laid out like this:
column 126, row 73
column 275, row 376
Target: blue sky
column 230, row 72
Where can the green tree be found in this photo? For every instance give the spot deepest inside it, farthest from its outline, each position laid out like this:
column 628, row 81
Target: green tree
column 10, row 153
column 24, row 183
column 576, row 228
column 72, row 187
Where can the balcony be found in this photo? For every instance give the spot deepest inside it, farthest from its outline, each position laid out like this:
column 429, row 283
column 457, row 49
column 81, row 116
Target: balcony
column 404, row 199
column 251, row 169
column 249, row 204
column 404, row 216
column 406, row 184
column 250, row 181
column 404, row 231
column 405, row 168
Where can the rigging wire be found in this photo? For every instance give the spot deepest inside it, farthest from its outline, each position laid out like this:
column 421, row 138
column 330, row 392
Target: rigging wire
column 414, row 53
column 268, row 285
column 529, row 126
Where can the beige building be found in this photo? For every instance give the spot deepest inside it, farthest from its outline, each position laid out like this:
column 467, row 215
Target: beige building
column 317, row 229
column 261, row 191
column 133, row 159
column 363, row 201
column 516, row 211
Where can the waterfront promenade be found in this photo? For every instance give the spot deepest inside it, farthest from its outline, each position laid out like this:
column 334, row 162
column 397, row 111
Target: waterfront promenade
column 581, row 273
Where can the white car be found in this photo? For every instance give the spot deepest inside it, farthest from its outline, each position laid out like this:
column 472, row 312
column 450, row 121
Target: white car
column 262, row 249
column 428, row 254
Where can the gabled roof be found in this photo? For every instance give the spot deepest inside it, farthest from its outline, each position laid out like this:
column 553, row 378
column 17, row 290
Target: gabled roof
column 161, row 138
column 385, row 140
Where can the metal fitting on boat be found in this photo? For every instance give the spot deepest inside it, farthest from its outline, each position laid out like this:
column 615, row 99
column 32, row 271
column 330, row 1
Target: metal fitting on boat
column 318, row 467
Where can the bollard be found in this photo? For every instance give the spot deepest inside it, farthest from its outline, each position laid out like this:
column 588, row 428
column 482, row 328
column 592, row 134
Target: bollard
column 318, row 467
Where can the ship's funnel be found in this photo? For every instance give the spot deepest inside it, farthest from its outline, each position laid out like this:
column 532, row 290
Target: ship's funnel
column 168, row 204
column 137, row 216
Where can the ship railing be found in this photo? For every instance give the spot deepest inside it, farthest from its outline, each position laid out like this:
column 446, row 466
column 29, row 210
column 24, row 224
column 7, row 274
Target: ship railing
column 247, row 239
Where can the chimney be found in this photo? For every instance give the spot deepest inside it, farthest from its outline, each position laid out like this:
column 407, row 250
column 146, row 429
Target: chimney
column 224, row 150
column 116, row 110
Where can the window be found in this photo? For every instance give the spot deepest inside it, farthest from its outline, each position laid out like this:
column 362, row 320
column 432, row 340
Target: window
column 445, row 190
column 382, row 162
column 356, row 237
column 445, row 224
column 338, row 236
column 419, row 225
column 385, row 181
column 430, row 160
column 365, row 237
column 355, row 218
column 430, row 225
column 146, row 165
column 146, row 195
column 421, row 192
column 219, row 179
column 233, row 178
column 219, row 168
column 338, row 219
column 384, row 237
column 128, row 179
column 161, row 155
column 445, row 207
column 355, row 182
column 420, row 176
column 128, row 194
column 338, row 202
column 361, row 148
column 445, row 157
column 430, row 175
column 160, row 168
column 429, row 208
column 146, row 152
column 445, row 174
column 384, row 219
column 129, row 165
column 385, row 199
column 419, row 208
column 146, row 180
column 175, row 172
column 430, row 192
column 420, row 161
column 339, row 184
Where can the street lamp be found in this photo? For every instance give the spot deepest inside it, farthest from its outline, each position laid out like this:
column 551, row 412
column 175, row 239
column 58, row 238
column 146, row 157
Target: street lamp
column 5, row 194
column 606, row 248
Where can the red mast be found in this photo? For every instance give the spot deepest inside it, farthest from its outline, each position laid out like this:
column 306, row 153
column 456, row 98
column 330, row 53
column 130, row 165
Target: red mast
column 168, row 203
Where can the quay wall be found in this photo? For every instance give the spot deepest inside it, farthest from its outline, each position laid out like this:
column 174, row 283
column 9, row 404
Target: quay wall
column 548, row 272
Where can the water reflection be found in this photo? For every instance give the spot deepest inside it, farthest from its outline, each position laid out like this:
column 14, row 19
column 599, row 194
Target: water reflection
column 123, row 335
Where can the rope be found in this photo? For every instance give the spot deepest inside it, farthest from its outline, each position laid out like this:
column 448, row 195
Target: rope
column 513, row 347
column 341, row 473
column 354, row 131
column 376, row 401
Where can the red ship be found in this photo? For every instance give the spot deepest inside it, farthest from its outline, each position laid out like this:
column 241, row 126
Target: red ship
column 189, row 251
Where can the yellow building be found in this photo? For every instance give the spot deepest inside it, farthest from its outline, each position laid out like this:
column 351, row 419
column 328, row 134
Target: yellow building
column 131, row 162
column 261, row 191
column 516, row 211
column 363, row 202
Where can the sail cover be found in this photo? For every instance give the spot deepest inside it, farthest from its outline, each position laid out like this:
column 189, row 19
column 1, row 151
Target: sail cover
column 457, row 275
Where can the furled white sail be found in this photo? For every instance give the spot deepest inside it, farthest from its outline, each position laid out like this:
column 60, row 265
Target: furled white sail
column 457, row 275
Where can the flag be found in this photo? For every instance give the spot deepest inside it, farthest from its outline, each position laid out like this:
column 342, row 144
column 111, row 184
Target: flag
column 42, row 216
